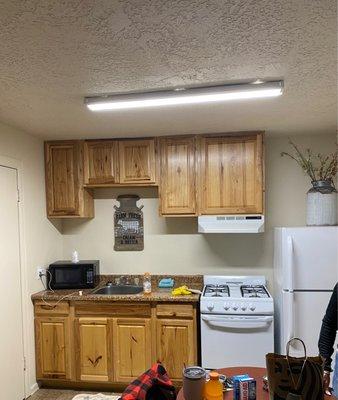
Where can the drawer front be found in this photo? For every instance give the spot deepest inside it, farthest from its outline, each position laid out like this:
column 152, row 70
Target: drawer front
column 112, row 309
column 52, row 308
column 175, row 310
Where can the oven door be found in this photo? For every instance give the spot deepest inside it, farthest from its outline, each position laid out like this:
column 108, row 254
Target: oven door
column 231, row 340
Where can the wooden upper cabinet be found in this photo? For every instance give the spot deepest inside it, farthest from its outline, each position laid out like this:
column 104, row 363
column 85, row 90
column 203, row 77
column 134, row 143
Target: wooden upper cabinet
column 93, row 338
column 231, row 174
column 52, row 348
column 178, row 176
column 132, row 348
column 137, row 161
column 197, row 175
column 101, row 162
column 64, row 180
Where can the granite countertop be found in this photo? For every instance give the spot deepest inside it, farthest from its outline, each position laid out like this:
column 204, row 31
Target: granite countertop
column 157, row 294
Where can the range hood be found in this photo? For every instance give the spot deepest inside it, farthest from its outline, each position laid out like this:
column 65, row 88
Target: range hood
column 231, row 224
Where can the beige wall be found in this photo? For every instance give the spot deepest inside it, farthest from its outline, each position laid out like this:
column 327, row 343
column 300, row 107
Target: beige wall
column 42, row 241
column 173, row 246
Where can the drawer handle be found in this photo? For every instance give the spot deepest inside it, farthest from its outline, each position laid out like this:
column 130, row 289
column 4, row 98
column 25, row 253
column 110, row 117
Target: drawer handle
column 167, row 313
column 45, row 307
column 94, row 363
column 171, row 314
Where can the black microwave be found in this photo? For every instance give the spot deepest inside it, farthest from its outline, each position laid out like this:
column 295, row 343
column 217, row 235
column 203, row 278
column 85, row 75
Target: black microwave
column 68, row 275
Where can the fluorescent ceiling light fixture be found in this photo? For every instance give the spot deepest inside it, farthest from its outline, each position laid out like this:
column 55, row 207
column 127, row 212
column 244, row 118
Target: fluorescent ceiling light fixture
column 194, row 95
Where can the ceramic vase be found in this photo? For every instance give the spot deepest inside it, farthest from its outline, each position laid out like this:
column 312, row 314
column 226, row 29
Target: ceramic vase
column 321, row 204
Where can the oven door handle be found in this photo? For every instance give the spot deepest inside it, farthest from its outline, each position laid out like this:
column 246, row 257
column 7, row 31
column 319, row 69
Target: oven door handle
column 238, row 322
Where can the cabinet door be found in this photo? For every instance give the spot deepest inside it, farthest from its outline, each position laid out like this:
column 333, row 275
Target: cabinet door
column 178, row 176
column 64, row 179
column 137, row 161
column 132, row 348
column 101, row 162
column 52, row 347
column 175, row 345
column 93, row 338
column 231, row 174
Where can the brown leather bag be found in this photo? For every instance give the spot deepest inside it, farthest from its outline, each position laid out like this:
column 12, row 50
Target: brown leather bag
column 292, row 378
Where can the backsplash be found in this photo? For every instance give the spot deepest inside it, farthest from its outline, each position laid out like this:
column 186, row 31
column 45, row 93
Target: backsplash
column 192, row 281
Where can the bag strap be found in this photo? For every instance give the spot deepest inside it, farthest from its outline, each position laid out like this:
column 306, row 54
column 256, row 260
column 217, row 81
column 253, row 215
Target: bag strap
column 289, row 344
column 295, row 385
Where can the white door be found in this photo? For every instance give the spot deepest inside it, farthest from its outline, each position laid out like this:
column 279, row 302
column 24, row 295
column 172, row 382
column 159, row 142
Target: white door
column 11, row 343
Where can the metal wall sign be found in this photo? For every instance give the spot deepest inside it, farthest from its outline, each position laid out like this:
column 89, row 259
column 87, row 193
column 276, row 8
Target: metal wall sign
column 128, row 224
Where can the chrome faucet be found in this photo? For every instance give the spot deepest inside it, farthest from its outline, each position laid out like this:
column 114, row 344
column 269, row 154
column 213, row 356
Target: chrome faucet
column 118, row 281
column 126, row 280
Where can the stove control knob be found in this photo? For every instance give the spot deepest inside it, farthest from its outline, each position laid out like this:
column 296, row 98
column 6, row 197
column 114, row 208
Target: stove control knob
column 210, row 306
column 226, row 306
column 252, row 307
column 234, row 307
column 243, row 307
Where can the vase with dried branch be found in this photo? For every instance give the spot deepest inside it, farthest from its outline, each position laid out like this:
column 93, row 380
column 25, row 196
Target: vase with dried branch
column 322, row 197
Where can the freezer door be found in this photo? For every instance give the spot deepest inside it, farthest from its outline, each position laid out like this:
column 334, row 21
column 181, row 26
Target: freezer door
column 302, row 317
column 309, row 258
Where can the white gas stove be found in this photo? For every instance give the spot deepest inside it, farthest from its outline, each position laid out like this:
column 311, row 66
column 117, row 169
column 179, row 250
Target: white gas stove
column 236, row 321
column 236, row 295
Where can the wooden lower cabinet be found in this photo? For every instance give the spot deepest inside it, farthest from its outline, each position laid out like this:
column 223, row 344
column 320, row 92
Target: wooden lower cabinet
column 52, row 337
column 132, row 348
column 91, row 344
column 175, row 345
column 93, row 349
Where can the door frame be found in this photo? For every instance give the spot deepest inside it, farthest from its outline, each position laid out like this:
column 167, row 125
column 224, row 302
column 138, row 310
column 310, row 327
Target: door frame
column 15, row 164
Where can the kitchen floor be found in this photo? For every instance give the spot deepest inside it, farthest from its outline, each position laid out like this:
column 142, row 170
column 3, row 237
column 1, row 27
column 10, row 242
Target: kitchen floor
column 56, row 394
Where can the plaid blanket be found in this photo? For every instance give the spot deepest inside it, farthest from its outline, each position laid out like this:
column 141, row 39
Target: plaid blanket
column 154, row 384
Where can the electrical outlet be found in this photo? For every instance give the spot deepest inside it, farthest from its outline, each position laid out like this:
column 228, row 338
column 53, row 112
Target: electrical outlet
column 41, row 271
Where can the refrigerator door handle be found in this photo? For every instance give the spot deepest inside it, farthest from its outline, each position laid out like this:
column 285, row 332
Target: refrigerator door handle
column 290, row 268
column 290, row 325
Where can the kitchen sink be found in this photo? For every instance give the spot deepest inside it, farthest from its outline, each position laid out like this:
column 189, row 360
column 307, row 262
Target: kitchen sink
column 118, row 289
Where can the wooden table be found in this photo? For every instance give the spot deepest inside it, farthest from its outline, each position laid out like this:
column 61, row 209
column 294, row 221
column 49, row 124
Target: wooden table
column 253, row 372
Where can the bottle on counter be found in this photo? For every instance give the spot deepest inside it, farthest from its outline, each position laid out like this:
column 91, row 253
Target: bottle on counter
column 213, row 389
column 147, row 283
column 75, row 257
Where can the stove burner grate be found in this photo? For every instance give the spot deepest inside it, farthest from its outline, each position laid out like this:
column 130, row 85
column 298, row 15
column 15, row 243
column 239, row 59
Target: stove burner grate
column 257, row 291
column 217, row 291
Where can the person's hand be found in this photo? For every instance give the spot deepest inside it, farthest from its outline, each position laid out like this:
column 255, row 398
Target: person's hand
column 326, row 383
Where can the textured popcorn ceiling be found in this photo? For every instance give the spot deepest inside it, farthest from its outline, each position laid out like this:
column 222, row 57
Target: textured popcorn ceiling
column 53, row 53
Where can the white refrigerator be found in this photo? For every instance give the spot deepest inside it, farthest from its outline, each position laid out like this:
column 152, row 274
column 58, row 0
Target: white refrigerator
column 305, row 272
